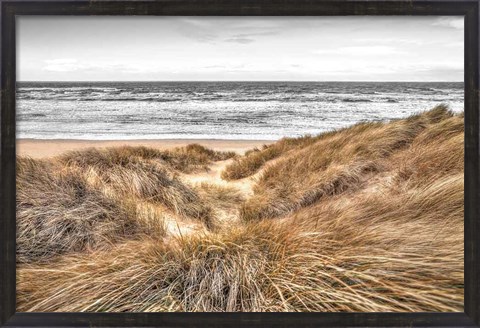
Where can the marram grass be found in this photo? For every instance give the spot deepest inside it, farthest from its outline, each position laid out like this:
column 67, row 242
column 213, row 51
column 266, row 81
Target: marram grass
column 365, row 219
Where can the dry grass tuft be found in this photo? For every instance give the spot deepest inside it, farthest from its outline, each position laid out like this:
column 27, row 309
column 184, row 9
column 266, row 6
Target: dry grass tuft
column 199, row 151
column 341, row 161
column 254, row 159
column 90, row 199
column 220, row 196
column 58, row 213
column 185, row 159
column 128, row 174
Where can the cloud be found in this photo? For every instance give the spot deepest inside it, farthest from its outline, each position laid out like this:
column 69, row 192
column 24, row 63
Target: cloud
column 196, row 22
column 202, row 37
column 452, row 22
column 455, row 44
column 360, row 51
column 197, row 29
column 62, row 65
column 61, row 61
column 213, row 66
column 390, row 40
column 199, row 36
column 245, row 38
column 240, row 40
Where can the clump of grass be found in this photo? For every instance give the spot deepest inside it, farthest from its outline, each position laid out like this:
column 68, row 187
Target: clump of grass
column 208, row 273
column 220, row 196
column 334, row 164
column 250, row 164
column 201, row 152
column 184, row 159
column 438, row 151
column 129, row 175
column 254, row 159
column 287, row 197
column 194, row 157
column 58, row 213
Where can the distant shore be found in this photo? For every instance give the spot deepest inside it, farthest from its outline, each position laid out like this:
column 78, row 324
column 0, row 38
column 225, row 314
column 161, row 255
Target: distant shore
column 44, row 148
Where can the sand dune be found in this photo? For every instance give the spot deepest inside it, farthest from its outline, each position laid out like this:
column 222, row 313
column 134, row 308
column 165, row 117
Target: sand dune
column 366, row 218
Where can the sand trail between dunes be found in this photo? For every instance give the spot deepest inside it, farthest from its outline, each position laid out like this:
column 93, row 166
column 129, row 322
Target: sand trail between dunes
column 226, row 216
column 214, row 176
column 180, row 226
column 176, row 226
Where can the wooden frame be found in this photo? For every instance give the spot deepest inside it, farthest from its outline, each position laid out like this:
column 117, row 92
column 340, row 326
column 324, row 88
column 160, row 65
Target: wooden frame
column 10, row 9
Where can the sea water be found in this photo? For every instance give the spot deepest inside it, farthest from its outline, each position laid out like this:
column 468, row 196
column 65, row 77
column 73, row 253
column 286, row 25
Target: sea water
column 217, row 110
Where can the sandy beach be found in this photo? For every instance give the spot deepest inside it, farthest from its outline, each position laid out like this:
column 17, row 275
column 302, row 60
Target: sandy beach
column 41, row 148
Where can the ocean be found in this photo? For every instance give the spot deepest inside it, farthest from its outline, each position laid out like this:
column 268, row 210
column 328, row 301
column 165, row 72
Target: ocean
column 217, row 110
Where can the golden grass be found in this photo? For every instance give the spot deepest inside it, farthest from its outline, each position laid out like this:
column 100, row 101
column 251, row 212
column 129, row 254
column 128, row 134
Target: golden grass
column 57, row 213
column 254, row 159
column 185, row 159
column 367, row 218
column 137, row 172
column 220, row 196
column 89, row 199
column 302, row 265
column 339, row 162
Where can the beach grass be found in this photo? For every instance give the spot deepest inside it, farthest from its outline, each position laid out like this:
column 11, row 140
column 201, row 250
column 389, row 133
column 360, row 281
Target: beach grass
column 367, row 218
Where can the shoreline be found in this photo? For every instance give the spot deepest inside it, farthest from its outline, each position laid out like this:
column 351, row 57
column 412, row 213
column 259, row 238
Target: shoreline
column 45, row 148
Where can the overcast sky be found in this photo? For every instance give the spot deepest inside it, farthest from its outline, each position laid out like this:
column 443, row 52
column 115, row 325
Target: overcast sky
column 371, row 48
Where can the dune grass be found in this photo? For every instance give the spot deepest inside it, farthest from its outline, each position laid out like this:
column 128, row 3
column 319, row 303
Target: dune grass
column 220, row 196
column 345, row 160
column 367, row 218
column 254, row 159
column 144, row 174
column 314, row 262
column 186, row 159
column 90, row 199
column 57, row 213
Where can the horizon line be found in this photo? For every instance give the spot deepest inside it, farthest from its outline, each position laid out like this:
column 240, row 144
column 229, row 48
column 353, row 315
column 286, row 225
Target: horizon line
column 270, row 81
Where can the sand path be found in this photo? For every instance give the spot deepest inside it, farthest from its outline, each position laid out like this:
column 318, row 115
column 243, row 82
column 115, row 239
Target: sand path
column 180, row 226
column 228, row 215
column 214, row 176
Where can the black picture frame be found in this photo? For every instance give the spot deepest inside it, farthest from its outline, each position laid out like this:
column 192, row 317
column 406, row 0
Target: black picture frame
column 10, row 9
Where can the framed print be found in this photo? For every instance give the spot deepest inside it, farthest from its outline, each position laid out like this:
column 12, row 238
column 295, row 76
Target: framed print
column 239, row 163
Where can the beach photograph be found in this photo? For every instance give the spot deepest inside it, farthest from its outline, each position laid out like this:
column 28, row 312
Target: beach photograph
column 240, row 164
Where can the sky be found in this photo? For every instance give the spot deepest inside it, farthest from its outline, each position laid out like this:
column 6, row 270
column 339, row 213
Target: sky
column 149, row 48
